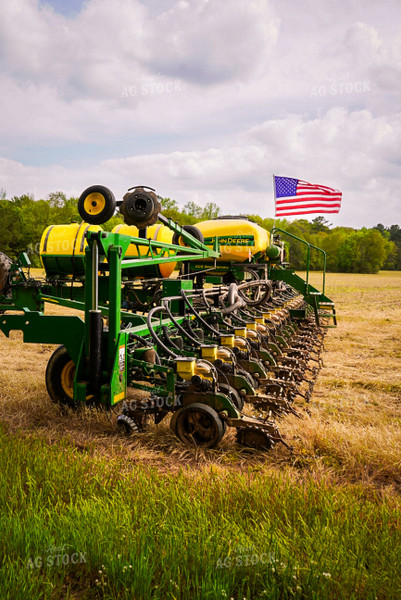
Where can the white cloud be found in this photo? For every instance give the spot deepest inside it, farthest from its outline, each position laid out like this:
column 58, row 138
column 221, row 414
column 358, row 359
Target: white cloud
column 112, row 41
column 202, row 101
column 208, row 41
column 238, row 176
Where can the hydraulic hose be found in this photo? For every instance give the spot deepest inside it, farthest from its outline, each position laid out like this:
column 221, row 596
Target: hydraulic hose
column 187, row 324
column 166, row 333
column 197, row 315
column 179, row 327
column 232, row 307
column 154, row 335
column 139, row 338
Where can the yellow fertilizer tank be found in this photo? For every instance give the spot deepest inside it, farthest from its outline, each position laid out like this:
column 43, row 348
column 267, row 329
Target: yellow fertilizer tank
column 239, row 239
column 62, row 249
column 159, row 233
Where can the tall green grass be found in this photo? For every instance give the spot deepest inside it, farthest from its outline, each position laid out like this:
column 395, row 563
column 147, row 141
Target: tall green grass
column 145, row 534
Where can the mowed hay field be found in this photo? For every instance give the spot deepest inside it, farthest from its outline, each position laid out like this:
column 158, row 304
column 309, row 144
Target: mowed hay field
column 86, row 513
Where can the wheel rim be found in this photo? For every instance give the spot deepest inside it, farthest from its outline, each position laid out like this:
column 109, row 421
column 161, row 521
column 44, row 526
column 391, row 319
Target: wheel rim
column 179, row 241
column 197, row 427
column 94, row 203
column 67, row 379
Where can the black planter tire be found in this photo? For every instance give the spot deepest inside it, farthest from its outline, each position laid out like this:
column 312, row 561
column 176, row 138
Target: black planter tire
column 96, row 204
column 60, row 373
column 192, row 230
column 234, row 396
column 198, row 425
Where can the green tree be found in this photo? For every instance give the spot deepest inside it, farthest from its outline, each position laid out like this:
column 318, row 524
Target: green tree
column 363, row 251
column 391, row 260
column 11, row 229
column 393, row 234
column 168, row 204
column 171, row 210
column 211, row 211
column 383, row 230
column 23, row 220
column 320, row 224
column 193, row 210
column 331, row 244
column 57, row 199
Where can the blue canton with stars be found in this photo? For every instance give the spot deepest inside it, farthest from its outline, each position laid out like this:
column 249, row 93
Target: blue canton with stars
column 285, row 186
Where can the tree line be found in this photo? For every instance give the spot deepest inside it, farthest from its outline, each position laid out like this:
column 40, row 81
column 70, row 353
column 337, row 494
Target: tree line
column 348, row 250
column 23, row 219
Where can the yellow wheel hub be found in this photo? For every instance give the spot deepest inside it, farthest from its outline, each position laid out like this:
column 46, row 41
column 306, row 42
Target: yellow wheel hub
column 94, row 203
column 181, row 241
column 67, row 379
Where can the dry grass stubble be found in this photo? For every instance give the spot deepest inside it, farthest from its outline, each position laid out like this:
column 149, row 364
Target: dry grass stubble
column 354, row 431
column 353, row 434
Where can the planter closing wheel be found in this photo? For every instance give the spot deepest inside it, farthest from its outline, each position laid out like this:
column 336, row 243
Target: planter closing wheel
column 198, row 425
column 234, row 396
column 96, row 205
column 140, row 207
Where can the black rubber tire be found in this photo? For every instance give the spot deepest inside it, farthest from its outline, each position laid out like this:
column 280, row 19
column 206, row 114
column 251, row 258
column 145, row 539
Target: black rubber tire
column 234, row 396
column 192, row 230
column 126, row 424
column 5, row 264
column 238, row 400
column 206, row 429
column 140, row 208
column 59, row 367
column 98, row 210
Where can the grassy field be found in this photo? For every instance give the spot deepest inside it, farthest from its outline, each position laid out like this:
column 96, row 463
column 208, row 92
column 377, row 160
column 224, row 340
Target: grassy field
column 85, row 513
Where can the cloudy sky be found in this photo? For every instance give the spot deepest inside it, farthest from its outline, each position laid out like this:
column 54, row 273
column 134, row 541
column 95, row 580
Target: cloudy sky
column 204, row 100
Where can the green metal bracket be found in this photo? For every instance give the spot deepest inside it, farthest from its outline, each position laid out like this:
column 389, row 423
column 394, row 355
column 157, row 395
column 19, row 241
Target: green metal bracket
column 24, row 260
column 116, row 390
column 172, row 288
column 193, row 242
column 165, row 388
column 253, row 366
column 218, row 401
column 156, row 252
column 47, row 329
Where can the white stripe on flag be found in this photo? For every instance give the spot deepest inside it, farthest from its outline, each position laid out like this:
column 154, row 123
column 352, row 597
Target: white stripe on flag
column 308, row 198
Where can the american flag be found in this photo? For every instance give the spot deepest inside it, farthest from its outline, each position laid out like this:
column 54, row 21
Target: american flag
column 297, row 197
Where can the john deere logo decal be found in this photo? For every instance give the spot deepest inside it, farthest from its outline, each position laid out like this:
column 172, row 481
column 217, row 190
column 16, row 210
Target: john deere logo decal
column 238, row 240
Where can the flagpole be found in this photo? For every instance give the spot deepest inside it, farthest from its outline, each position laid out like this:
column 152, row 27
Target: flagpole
column 275, row 202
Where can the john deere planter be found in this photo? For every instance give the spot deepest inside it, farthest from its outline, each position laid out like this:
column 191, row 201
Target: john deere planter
column 210, row 321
